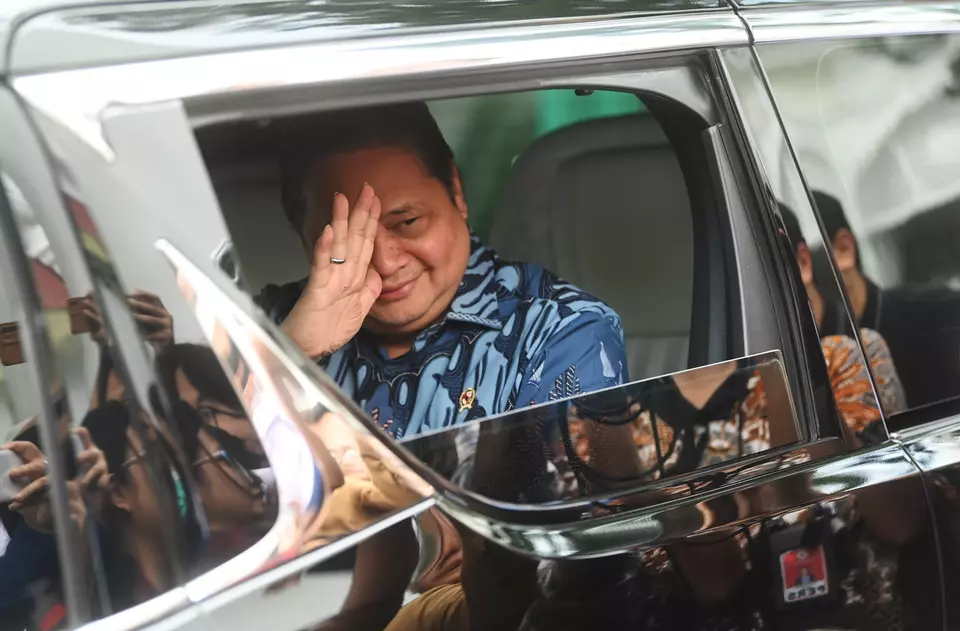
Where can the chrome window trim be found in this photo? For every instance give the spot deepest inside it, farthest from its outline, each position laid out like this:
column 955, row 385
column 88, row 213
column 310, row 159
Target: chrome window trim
column 933, row 445
column 194, row 79
column 38, row 355
column 117, row 27
column 821, row 477
column 769, row 24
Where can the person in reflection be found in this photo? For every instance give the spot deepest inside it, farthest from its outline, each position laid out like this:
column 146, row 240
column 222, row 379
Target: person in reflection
column 134, row 548
column 683, row 422
column 222, row 445
column 416, row 319
column 852, row 390
column 115, row 488
column 30, row 560
column 154, row 323
column 918, row 323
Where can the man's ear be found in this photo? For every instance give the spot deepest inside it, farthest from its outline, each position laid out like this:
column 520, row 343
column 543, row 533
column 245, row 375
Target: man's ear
column 458, row 197
column 805, row 262
column 845, row 250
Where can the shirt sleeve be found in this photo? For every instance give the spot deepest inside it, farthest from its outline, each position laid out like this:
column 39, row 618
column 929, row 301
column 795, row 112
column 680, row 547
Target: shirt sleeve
column 850, row 382
column 586, row 355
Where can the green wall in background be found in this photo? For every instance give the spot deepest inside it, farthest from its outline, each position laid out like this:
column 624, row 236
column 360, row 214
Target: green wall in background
column 487, row 133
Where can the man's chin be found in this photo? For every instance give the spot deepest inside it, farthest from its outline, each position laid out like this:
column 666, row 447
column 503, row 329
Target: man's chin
column 392, row 322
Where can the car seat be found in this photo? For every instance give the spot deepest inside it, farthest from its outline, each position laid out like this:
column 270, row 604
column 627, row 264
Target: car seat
column 603, row 204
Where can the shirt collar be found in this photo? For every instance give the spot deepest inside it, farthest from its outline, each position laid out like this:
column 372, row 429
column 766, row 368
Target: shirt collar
column 476, row 299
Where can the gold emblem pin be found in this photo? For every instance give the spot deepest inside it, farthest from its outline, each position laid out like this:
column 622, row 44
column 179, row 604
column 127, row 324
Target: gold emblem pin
column 467, row 398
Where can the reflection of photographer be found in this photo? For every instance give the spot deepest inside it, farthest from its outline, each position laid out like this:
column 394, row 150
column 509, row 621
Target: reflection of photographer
column 222, row 447
column 30, row 561
column 112, row 500
column 152, row 318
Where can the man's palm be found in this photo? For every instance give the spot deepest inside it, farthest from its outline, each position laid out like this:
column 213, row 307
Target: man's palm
column 339, row 296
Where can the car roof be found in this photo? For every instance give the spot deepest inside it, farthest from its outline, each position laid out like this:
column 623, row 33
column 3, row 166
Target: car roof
column 57, row 34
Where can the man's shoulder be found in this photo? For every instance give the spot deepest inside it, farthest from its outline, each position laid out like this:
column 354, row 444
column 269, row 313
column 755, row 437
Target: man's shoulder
column 558, row 317
column 538, row 286
column 277, row 300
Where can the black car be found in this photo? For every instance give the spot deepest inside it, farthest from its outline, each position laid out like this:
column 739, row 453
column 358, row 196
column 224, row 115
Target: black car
column 756, row 202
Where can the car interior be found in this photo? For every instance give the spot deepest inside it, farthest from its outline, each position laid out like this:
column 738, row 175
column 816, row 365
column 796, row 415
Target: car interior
column 602, row 201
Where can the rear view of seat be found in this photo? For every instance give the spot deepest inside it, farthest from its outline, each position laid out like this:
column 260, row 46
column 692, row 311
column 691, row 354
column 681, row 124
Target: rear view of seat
column 603, row 204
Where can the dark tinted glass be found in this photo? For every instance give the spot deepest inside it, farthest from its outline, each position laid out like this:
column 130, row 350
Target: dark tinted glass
column 621, row 437
column 876, row 125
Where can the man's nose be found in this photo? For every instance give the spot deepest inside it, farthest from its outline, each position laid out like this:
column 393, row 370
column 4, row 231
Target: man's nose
column 388, row 256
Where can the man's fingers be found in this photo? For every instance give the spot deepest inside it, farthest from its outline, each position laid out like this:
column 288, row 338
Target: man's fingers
column 341, row 226
column 322, row 250
column 369, row 234
column 364, row 197
column 358, row 221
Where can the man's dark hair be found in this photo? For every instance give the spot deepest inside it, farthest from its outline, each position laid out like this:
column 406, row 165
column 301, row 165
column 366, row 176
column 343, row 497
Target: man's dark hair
column 305, row 140
column 831, row 214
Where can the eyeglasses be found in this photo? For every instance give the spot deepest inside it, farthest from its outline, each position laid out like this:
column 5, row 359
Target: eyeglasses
column 248, row 482
column 209, row 414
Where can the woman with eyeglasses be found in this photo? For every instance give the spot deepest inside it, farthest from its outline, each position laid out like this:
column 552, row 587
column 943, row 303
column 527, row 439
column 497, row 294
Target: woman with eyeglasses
column 222, row 447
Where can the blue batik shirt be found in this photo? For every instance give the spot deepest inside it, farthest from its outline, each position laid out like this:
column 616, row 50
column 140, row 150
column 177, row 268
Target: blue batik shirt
column 514, row 335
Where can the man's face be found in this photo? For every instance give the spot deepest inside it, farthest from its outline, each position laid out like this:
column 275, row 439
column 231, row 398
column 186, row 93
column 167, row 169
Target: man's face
column 422, row 245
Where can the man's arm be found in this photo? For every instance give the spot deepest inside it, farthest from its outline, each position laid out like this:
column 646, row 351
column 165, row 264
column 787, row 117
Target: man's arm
column 587, row 354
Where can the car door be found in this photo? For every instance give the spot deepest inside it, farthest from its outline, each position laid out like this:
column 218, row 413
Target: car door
column 877, row 175
column 788, row 513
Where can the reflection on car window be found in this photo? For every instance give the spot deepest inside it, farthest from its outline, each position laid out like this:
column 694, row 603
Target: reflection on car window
column 881, row 163
column 639, row 432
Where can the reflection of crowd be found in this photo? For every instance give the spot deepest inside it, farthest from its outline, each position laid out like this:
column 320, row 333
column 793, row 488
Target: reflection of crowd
column 128, row 491
column 848, row 373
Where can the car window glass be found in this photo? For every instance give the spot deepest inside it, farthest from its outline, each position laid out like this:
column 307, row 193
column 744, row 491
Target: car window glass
column 879, row 160
column 620, row 438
